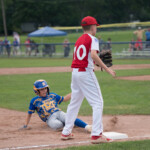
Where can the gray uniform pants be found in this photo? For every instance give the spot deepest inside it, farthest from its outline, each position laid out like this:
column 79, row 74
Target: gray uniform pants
column 57, row 120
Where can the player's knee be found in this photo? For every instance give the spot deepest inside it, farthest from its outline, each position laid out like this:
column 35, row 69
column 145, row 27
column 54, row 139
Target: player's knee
column 56, row 126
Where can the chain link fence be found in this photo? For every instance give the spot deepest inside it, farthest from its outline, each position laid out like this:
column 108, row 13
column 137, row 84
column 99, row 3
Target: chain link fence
column 59, row 50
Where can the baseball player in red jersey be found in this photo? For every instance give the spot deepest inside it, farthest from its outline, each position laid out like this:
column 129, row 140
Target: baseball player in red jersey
column 84, row 82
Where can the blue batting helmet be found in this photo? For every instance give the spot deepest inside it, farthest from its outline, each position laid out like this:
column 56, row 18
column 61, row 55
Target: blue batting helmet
column 40, row 84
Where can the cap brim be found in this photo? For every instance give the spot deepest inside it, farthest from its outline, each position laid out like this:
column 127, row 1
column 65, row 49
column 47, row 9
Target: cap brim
column 97, row 24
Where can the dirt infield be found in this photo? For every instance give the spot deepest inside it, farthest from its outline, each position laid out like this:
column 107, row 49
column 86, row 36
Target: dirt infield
column 136, row 78
column 137, row 127
column 8, row 71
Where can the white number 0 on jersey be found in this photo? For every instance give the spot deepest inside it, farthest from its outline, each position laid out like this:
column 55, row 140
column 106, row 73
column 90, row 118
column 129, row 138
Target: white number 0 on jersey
column 78, row 52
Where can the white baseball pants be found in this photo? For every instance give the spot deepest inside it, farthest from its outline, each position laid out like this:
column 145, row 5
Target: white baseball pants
column 84, row 84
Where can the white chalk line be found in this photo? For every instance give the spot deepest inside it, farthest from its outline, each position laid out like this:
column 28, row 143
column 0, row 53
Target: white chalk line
column 145, row 136
column 49, row 145
column 58, row 145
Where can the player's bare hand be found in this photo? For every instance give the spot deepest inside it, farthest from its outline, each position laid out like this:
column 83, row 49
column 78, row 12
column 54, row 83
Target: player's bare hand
column 112, row 72
column 23, row 127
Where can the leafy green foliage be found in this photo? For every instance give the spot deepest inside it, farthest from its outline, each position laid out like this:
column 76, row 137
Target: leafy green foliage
column 70, row 12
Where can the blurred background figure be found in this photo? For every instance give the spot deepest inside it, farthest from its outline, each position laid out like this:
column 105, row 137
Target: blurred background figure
column 17, row 41
column 139, row 33
column 107, row 45
column 138, row 45
column 147, row 36
column 15, row 47
column 139, row 37
column 66, row 45
column 101, row 42
column 28, row 46
column 16, row 36
column 132, row 46
column 1, row 47
column 7, row 46
column 53, row 49
column 34, row 47
column 47, row 50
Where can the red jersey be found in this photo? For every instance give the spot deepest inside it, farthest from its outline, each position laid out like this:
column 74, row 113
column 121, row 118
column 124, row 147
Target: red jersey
column 82, row 51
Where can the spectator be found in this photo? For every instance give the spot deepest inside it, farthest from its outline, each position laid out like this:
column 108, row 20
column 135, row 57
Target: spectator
column 139, row 33
column 107, row 45
column 15, row 47
column 100, row 43
column 147, row 35
column 132, row 46
column 48, row 50
column 34, row 47
column 138, row 45
column 7, row 46
column 28, row 46
column 66, row 45
column 52, row 49
column 1, row 47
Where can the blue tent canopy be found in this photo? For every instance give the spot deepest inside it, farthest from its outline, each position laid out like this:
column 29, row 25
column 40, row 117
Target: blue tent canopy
column 46, row 31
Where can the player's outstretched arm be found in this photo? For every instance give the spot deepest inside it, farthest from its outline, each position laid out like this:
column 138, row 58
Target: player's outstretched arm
column 98, row 61
column 27, row 121
column 67, row 97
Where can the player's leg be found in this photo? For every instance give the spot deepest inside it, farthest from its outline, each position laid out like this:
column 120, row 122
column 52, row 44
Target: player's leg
column 54, row 123
column 78, row 122
column 75, row 103
column 92, row 92
column 62, row 116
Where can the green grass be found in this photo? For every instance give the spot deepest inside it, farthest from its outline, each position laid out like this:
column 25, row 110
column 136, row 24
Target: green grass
column 130, row 61
column 33, row 62
column 116, row 36
column 130, row 145
column 123, row 97
column 50, row 62
column 120, row 97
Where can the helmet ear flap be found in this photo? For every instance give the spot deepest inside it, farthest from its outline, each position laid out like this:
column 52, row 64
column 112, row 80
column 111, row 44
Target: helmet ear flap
column 48, row 90
column 35, row 90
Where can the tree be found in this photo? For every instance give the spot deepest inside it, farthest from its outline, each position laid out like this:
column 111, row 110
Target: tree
column 70, row 12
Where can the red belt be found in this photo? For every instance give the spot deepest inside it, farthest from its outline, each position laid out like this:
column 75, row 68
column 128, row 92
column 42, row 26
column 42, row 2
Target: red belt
column 82, row 69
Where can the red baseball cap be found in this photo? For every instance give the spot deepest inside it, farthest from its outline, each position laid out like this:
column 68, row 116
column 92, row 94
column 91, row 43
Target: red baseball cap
column 86, row 21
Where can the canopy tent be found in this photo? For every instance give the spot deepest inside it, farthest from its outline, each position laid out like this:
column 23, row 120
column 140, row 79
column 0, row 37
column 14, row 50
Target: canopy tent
column 47, row 31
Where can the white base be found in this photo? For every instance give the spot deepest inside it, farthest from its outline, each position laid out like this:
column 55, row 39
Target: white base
column 115, row 135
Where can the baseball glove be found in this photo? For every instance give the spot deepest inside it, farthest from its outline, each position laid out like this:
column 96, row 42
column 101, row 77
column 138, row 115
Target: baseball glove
column 106, row 57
